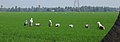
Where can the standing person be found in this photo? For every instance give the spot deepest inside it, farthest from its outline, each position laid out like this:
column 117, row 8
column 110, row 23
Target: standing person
column 31, row 22
column 25, row 23
column 50, row 23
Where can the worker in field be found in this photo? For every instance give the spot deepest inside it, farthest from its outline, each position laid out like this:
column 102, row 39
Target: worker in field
column 87, row 26
column 50, row 23
column 71, row 25
column 37, row 24
column 31, row 22
column 100, row 26
column 25, row 23
column 57, row 25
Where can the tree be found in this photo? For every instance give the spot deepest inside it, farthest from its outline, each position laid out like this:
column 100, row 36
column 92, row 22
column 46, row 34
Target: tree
column 1, row 6
column 119, row 8
column 19, row 9
column 38, row 6
column 12, row 9
column 16, row 8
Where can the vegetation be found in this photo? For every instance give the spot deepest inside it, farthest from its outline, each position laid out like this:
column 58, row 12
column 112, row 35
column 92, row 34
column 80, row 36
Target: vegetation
column 12, row 29
column 60, row 9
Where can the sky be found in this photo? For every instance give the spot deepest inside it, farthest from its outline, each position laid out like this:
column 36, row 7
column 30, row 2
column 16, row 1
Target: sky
column 56, row 3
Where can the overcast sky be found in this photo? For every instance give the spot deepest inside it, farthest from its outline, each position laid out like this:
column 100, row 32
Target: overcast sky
column 55, row 3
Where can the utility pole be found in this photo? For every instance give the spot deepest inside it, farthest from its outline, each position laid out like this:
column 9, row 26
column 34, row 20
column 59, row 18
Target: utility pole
column 76, row 5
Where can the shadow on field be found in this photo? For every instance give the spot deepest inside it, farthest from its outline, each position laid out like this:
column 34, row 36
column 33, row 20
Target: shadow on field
column 114, row 34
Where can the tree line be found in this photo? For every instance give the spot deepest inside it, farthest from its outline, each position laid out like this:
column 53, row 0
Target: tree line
column 59, row 9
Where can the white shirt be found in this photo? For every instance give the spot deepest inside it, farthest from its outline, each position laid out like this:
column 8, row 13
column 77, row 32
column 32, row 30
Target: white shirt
column 31, row 20
column 57, row 24
column 99, row 24
column 86, row 25
column 71, row 25
column 50, row 21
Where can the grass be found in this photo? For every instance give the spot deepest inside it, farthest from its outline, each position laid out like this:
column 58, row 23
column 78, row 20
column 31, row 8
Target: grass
column 12, row 29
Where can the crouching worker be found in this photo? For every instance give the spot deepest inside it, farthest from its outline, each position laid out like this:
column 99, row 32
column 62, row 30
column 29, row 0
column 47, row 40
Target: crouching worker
column 87, row 26
column 57, row 25
column 37, row 24
column 100, row 26
column 71, row 25
column 25, row 23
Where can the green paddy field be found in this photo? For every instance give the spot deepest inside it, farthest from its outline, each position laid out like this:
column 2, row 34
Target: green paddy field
column 12, row 29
